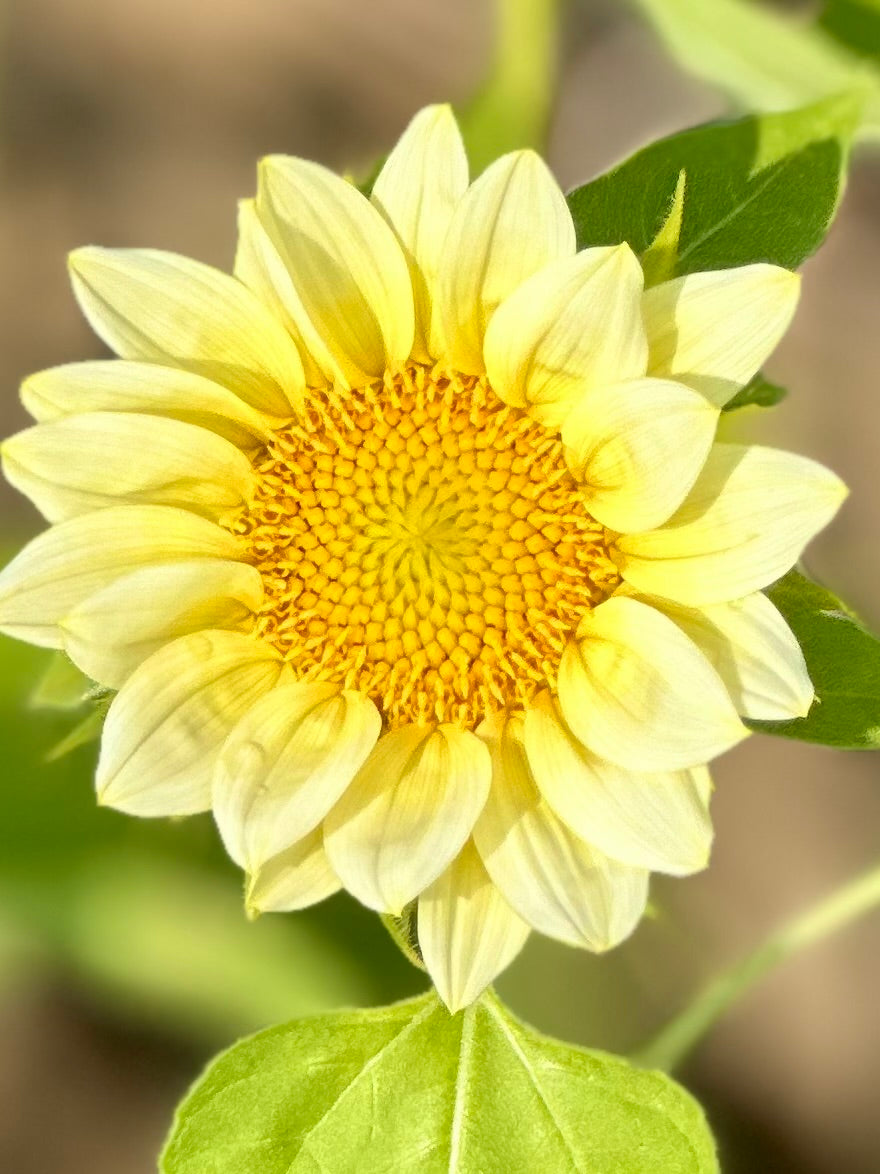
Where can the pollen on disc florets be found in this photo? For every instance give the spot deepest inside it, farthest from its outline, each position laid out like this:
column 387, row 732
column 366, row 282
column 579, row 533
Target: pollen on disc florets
column 423, row 543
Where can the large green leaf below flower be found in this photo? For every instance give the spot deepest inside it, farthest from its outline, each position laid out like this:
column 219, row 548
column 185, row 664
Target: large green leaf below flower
column 411, row 1088
column 763, row 188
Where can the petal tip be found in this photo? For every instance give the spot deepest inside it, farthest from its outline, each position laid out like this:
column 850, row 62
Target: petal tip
column 81, row 259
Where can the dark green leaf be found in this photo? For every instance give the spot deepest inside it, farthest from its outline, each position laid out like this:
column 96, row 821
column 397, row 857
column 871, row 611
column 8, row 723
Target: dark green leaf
column 411, row 1089
column 855, row 24
column 760, row 189
column 758, row 392
column 844, row 663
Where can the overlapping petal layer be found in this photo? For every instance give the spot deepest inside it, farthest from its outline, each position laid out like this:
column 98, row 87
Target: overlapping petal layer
column 417, row 191
column 745, row 523
column 166, row 309
column 348, row 270
column 418, row 458
column 407, row 813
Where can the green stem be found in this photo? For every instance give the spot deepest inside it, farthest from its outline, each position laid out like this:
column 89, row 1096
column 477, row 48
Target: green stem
column 679, row 1037
column 512, row 108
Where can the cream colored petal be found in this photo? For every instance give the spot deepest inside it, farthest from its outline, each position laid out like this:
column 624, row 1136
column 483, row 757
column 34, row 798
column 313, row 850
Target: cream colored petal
column 115, row 385
column 638, row 449
column 573, row 326
column 348, row 269
column 744, row 524
column 658, row 821
column 754, row 652
column 294, row 879
column 511, row 222
column 555, row 881
column 75, row 559
column 468, row 933
column 167, row 724
column 286, row 763
column 112, row 631
column 259, row 265
column 714, row 330
column 417, row 191
column 99, row 459
column 635, row 690
column 407, row 814
column 166, row 309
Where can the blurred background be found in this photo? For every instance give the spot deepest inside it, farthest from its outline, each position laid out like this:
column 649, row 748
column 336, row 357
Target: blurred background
column 125, row 960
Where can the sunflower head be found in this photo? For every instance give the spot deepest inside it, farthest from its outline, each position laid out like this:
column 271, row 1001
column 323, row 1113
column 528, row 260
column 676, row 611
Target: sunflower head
column 411, row 551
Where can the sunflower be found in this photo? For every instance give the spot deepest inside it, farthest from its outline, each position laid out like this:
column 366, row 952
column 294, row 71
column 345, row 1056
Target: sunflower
column 411, row 552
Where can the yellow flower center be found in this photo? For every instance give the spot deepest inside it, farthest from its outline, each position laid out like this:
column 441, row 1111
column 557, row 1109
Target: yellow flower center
column 424, row 544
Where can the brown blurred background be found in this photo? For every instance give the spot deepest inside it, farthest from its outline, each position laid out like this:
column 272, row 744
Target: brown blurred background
column 124, row 959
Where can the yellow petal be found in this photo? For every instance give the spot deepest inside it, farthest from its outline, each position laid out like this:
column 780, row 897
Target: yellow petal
column 468, row 933
column 754, row 652
column 744, row 524
column 555, row 881
column 348, row 269
column 714, row 330
column 658, row 820
column 75, row 559
column 286, row 763
column 511, row 222
column 638, row 449
column 635, row 690
column 417, row 191
column 573, row 326
column 407, row 814
column 294, row 879
column 259, row 266
column 115, row 385
column 167, row 724
column 112, row 631
column 166, row 309
column 80, row 463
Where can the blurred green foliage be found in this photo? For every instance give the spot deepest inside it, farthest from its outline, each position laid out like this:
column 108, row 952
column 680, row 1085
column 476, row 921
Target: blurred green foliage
column 512, row 108
column 147, row 915
column 767, row 60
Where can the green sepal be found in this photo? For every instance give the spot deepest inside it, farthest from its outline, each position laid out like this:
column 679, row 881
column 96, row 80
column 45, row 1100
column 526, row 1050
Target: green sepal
column 757, row 393
column 403, row 929
column 414, row 1090
column 659, row 259
column 843, row 659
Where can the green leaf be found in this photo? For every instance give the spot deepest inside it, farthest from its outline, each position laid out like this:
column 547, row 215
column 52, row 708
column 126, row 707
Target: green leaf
column 843, row 659
column 512, row 108
column 759, row 189
column 766, row 60
column 854, row 24
column 410, row 1088
column 757, row 393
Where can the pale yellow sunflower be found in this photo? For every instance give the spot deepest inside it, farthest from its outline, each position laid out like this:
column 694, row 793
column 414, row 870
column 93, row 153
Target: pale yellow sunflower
column 411, row 552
